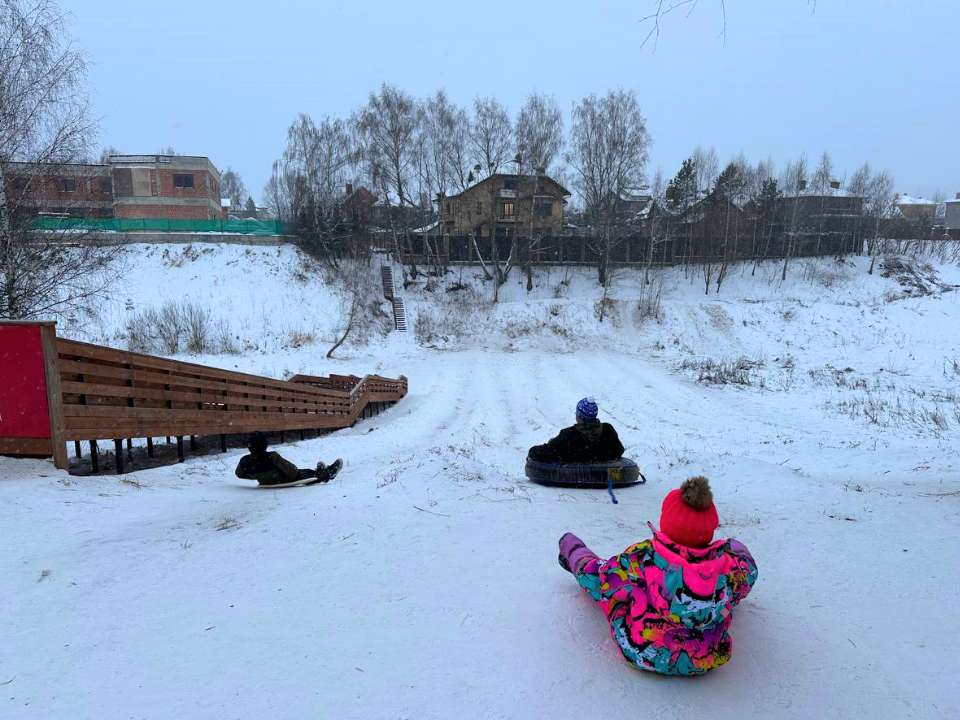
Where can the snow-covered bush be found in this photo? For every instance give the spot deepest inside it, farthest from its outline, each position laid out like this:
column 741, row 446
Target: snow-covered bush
column 178, row 327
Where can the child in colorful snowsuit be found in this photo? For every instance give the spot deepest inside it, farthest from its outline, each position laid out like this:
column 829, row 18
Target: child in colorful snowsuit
column 669, row 600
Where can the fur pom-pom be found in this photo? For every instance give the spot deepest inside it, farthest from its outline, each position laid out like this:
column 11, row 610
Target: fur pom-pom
column 696, row 492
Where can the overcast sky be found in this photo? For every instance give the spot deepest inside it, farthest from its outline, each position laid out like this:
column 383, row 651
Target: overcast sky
column 862, row 79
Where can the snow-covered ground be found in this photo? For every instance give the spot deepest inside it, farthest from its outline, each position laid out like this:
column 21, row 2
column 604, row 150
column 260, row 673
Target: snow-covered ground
column 423, row 582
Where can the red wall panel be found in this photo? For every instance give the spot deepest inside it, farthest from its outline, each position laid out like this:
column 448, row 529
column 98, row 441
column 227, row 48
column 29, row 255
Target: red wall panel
column 23, row 387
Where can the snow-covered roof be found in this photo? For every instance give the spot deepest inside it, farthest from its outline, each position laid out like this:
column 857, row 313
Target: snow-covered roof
column 950, row 202
column 635, row 194
column 426, row 228
column 910, row 200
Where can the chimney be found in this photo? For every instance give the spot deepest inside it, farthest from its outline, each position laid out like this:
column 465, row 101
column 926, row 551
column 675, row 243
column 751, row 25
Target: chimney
column 540, row 170
column 835, row 184
column 349, row 188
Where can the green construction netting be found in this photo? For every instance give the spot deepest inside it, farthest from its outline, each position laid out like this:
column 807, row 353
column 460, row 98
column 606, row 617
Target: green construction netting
column 235, row 227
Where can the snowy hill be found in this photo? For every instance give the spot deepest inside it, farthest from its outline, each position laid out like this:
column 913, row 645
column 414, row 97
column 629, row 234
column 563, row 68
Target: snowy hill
column 423, row 582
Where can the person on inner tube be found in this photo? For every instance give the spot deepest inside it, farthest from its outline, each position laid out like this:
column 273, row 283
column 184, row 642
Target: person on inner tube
column 589, row 440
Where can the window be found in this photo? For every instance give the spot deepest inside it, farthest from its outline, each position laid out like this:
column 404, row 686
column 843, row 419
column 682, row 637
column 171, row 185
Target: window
column 182, row 180
column 508, row 209
column 142, row 183
column 543, row 209
column 106, row 186
column 67, row 184
column 19, row 183
column 448, row 208
column 509, row 184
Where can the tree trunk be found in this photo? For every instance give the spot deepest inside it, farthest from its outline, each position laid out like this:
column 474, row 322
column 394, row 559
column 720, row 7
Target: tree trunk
column 350, row 318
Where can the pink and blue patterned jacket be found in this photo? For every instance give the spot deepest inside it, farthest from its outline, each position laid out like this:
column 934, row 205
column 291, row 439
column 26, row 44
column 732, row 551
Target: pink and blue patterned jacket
column 670, row 606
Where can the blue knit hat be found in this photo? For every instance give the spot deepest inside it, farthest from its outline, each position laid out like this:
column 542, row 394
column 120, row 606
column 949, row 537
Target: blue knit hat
column 587, row 408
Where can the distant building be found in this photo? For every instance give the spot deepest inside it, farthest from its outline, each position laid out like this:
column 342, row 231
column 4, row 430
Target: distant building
column 917, row 209
column 165, row 186
column 358, row 206
column 953, row 215
column 505, row 205
column 73, row 189
column 633, row 206
column 129, row 186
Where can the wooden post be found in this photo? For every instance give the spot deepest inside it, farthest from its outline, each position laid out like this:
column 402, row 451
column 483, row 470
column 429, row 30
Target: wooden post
column 118, row 453
column 94, row 456
column 149, row 447
column 193, row 443
column 130, row 448
column 180, row 448
column 223, row 443
column 78, row 452
column 51, row 367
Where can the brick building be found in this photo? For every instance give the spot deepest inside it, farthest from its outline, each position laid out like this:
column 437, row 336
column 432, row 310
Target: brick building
column 128, row 186
column 50, row 189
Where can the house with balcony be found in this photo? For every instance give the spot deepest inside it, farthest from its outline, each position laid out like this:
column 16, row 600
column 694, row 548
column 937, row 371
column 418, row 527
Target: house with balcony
column 505, row 205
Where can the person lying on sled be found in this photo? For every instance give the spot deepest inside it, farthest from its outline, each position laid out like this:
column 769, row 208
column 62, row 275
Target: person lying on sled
column 268, row 468
column 589, row 440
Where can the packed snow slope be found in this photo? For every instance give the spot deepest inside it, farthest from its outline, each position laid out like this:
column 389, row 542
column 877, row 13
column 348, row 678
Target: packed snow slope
column 423, row 581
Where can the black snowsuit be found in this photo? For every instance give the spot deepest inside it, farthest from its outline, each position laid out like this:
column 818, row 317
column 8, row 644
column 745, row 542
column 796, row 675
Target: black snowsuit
column 268, row 468
column 590, row 441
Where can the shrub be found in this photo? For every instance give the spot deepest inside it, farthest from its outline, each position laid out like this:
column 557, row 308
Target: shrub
column 176, row 327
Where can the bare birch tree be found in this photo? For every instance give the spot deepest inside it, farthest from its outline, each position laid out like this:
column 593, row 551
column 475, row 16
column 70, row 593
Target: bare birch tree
column 491, row 135
column 231, row 186
column 609, row 146
column 538, row 133
column 459, row 156
column 312, row 175
column 707, row 166
column 820, row 183
column 794, row 183
column 387, row 129
column 858, row 186
column 880, row 201
column 44, row 118
column 538, row 138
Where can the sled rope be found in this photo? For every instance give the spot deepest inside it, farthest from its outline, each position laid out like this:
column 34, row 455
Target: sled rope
column 610, row 488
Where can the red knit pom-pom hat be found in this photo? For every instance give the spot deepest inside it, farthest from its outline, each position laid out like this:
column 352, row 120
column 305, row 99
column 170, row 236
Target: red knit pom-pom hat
column 688, row 516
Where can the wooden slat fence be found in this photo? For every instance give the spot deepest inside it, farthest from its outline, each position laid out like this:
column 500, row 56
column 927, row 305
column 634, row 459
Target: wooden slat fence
column 110, row 393
column 100, row 393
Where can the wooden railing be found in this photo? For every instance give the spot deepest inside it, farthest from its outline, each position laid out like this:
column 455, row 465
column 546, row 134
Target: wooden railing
column 113, row 394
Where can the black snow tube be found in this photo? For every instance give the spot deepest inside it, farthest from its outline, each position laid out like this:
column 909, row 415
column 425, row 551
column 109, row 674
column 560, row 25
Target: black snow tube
column 618, row 473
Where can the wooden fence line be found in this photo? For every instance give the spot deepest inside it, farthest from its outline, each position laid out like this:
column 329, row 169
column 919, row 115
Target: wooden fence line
column 101, row 393
column 632, row 250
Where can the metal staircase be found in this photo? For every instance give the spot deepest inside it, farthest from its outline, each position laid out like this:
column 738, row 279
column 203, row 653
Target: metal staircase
column 389, row 292
column 386, row 274
column 399, row 315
